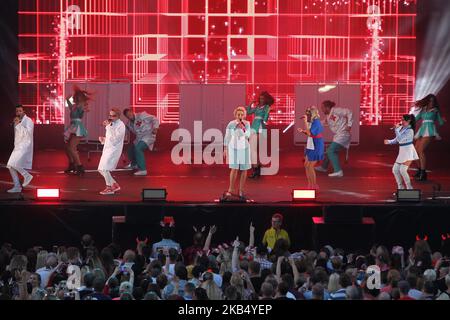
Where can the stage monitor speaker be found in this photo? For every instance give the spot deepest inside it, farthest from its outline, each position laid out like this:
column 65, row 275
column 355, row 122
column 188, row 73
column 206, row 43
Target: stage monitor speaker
column 409, row 195
column 154, row 195
column 342, row 214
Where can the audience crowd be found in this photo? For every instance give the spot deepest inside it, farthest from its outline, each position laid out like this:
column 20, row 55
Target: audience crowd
column 229, row 271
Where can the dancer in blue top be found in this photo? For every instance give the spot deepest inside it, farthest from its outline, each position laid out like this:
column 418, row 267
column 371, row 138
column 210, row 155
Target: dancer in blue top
column 404, row 137
column 78, row 104
column 315, row 146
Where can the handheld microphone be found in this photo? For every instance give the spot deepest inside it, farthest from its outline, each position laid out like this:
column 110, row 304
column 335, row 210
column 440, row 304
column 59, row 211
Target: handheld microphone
column 14, row 121
column 243, row 125
column 395, row 127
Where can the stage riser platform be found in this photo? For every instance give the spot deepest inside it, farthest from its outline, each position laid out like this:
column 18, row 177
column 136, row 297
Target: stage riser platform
column 63, row 224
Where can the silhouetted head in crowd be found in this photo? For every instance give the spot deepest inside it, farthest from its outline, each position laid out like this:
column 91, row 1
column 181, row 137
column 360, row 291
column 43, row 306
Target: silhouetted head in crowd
column 87, row 241
column 200, row 294
column 167, row 232
column 231, row 293
column 317, row 292
column 267, row 290
column 353, row 293
column 282, row 289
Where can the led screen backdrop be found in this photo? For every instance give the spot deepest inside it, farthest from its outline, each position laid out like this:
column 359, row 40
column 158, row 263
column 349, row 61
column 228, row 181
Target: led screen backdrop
column 266, row 44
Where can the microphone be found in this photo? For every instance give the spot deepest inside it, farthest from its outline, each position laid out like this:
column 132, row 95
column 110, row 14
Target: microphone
column 243, row 125
column 393, row 128
column 14, row 121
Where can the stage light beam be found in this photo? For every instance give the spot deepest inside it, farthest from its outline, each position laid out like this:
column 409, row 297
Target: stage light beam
column 434, row 67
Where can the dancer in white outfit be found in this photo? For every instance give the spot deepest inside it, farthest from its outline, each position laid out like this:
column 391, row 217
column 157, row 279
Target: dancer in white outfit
column 112, row 150
column 404, row 137
column 22, row 156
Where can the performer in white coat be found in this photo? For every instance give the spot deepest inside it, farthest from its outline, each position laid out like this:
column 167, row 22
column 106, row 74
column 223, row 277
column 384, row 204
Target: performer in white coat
column 237, row 153
column 340, row 121
column 22, row 156
column 145, row 127
column 112, row 150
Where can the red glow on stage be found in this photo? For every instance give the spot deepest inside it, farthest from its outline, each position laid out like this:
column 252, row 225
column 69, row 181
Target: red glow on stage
column 268, row 45
column 303, row 194
column 45, row 194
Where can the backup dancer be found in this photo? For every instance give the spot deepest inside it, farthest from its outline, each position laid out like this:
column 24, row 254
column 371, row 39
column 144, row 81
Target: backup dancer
column 340, row 121
column 259, row 127
column 145, row 127
column 427, row 132
column 22, row 156
column 112, row 150
column 76, row 131
column 404, row 137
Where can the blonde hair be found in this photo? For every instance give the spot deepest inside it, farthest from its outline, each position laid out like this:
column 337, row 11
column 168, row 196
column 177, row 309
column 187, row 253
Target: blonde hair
column 238, row 282
column 240, row 108
column 212, row 290
column 314, row 112
column 333, row 283
column 41, row 259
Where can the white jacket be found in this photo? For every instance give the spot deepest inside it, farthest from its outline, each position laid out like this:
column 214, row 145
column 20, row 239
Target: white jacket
column 112, row 150
column 22, row 155
column 338, row 120
column 143, row 126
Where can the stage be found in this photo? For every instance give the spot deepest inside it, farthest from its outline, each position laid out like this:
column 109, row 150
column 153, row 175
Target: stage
column 367, row 179
column 193, row 191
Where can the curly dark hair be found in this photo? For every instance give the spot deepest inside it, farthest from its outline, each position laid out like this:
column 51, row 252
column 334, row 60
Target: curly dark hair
column 80, row 95
column 268, row 99
column 424, row 102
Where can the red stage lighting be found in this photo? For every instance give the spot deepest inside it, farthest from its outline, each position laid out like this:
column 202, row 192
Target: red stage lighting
column 303, row 194
column 47, row 194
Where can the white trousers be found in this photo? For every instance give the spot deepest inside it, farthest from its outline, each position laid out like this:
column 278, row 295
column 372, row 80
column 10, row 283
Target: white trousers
column 108, row 177
column 15, row 177
column 401, row 175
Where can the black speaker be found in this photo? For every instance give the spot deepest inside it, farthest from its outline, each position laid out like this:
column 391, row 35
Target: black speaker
column 342, row 214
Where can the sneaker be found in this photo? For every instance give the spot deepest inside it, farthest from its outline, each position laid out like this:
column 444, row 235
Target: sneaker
column 115, row 187
column 70, row 169
column 15, row 190
column 320, row 169
column 141, row 173
column 131, row 166
column 27, row 180
column 338, row 174
column 107, row 191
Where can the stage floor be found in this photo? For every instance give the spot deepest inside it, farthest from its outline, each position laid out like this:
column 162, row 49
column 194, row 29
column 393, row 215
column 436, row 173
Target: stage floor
column 368, row 179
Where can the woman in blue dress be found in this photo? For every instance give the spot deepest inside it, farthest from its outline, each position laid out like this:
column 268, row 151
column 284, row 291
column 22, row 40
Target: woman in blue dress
column 315, row 147
column 78, row 105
